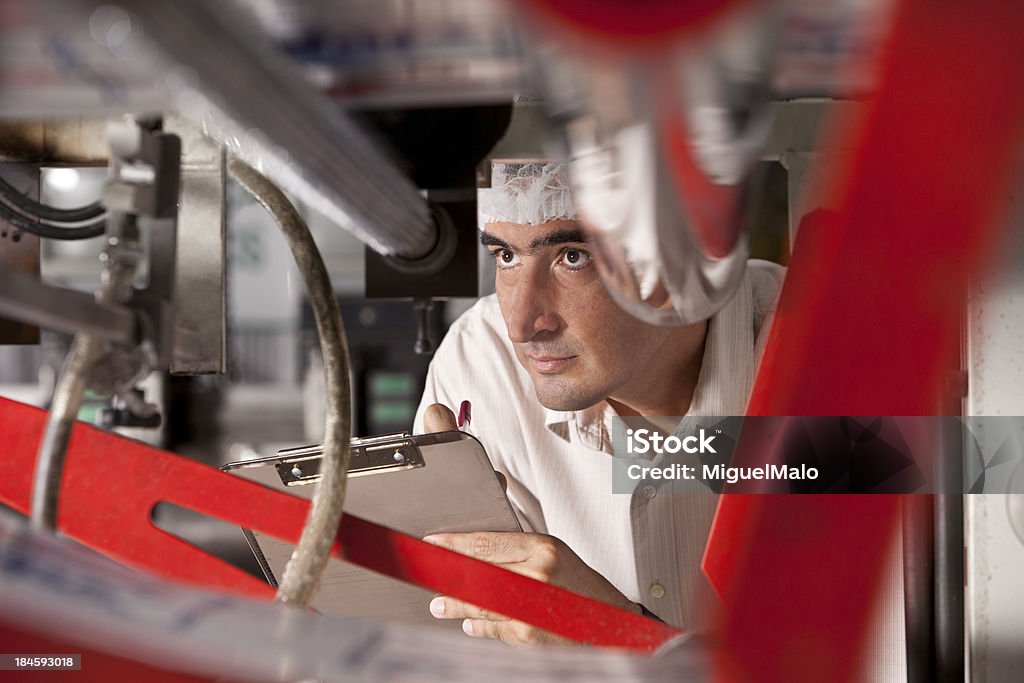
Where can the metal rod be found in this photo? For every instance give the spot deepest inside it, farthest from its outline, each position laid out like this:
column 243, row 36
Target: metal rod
column 949, row 556
column 918, row 587
column 28, row 300
column 298, row 138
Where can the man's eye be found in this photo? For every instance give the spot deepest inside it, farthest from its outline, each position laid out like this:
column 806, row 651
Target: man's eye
column 505, row 258
column 575, row 259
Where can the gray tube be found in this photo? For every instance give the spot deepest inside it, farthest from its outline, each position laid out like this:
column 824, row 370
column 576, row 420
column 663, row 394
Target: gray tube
column 67, row 398
column 302, row 573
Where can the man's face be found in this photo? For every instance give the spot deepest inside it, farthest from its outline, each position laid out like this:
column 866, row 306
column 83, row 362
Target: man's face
column 577, row 345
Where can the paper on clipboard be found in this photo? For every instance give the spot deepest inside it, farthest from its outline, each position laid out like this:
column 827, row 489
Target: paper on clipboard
column 415, row 484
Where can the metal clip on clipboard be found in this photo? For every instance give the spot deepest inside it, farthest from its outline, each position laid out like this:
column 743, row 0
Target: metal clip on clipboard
column 415, row 484
column 372, row 455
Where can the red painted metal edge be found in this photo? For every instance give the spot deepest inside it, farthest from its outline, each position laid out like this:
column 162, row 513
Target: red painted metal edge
column 868, row 325
column 112, row 483
column 626, row 23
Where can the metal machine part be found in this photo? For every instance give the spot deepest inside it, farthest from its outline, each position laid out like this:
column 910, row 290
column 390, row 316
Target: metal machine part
column 439, row 157
column 1015, row 503
column 423, row 343
column 189, row 270
column 333, row 164
column 143, row 187
column 143, row 181
column 200, row 290
column 994, row 523
column 25, row 298
column 662, row 140
column 433, row 149
column 142, row 56
column 130, row 410
column 18, row 258
column 145, row 171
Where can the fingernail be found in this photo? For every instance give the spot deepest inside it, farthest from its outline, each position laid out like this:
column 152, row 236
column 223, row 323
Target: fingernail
column 434, row 540
column 467, row 627
column 437, row 607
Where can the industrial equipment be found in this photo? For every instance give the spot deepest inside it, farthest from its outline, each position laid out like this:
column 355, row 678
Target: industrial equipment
column 130, row 287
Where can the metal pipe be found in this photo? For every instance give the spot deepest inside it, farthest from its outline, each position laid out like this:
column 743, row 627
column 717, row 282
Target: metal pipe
column 918, row 589
column 30, row 300
column 302, row 573
column 949, row 556
column 297, row 137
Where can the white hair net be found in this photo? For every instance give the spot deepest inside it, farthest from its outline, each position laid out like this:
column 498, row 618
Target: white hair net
column 527, row 193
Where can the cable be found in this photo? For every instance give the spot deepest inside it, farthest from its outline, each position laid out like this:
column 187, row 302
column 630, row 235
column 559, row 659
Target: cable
column 28, row 215
column 50, row 230
column 303, row 571
column 85, row 351
column 35, row 210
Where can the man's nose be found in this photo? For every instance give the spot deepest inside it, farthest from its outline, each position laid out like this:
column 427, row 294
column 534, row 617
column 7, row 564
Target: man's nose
column 532, row 308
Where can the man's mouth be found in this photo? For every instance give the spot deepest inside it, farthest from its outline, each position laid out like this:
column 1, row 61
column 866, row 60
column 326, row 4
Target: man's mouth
column 550, row 365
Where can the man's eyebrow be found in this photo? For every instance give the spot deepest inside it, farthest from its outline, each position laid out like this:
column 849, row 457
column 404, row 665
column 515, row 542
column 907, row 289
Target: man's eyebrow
column 548, row 240
column 558, row 237
column 489, row 240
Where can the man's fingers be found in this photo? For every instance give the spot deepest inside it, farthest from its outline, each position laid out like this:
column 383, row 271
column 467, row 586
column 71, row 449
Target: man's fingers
column 492, row 546
column 511, row 632
column 445, row 607
column 439, row 418
column 482, row 628
column 480, row 623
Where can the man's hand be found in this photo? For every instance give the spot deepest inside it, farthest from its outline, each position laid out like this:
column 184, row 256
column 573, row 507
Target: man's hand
column 538, row 556
column 439, row 418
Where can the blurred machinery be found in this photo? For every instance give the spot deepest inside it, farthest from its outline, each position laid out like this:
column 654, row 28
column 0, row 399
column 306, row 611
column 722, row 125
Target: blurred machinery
column 384, row 117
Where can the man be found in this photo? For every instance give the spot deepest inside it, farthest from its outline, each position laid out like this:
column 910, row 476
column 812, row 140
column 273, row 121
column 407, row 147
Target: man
column 546, row 362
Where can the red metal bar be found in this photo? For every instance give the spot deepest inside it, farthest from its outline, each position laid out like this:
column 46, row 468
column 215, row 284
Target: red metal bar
column 111, row 485
column 637, row 27
column 868, row 325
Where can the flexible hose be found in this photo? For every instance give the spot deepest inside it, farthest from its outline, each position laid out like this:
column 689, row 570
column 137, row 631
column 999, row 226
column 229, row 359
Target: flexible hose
column 51, row 230
column 37, row 210
column 67, row 400
column 303, row 571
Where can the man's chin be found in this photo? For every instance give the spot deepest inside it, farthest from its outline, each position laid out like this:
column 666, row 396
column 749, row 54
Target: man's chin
column 565, row 396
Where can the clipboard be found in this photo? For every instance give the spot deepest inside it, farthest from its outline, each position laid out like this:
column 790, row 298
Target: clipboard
column 418, row 485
